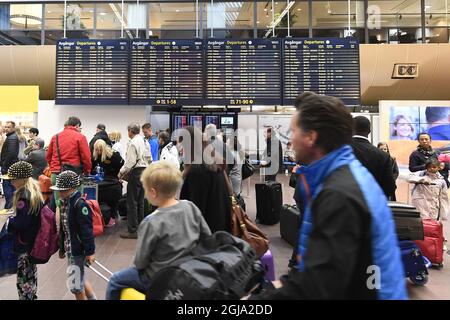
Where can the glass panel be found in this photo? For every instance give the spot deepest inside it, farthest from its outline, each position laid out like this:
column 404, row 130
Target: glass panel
column 340, row 33
column 115, row 34
column 437, row 35
column 109, row 16
column 25, row 16
column 172, row 15
column 230, row 33
column 174, row 34
column 296, row 33
column 79, row 16
column 334, row 14
column 378, row 36
column 298, row 16
column 4, row 17
column 51, row 36
column 405, row 35
column 394, row 13
column 437, row 13
column 229, row 15
column 20, row 37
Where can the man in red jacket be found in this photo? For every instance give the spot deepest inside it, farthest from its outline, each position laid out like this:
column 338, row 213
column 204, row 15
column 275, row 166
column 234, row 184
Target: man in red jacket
column 73, row 149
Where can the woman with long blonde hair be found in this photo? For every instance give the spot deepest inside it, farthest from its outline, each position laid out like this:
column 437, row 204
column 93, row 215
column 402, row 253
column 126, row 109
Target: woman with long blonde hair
column 24, row 225
column 115, row 138
column 110, row 161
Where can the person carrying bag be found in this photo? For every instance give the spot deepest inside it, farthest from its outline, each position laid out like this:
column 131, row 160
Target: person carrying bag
column 242, row 227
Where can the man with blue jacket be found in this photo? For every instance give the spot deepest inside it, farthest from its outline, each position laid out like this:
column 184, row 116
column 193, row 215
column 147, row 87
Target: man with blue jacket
column 347, row 247
column 152, row 140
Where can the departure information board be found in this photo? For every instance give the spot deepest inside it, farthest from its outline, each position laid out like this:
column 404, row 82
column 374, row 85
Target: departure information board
column 243, row 72
column 166, row 72
column 91, row 72
column 324, row 66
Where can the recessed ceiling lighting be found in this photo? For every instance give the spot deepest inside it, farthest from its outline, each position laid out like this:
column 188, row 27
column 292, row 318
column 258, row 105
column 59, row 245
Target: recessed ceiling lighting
column 299, row 9
column 265, row 9
column 276, row 3
column 103, row 13
column 178, row 10
column 49, row 11
column 257, row 21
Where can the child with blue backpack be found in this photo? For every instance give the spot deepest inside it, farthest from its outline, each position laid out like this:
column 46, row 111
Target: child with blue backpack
column 24, row 225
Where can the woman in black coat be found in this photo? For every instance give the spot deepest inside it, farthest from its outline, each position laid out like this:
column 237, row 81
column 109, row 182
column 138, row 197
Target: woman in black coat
column 204, row 182
column 109, row 190
column 424, row 151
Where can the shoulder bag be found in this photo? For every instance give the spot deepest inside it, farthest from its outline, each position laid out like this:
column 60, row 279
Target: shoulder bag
column 242, row 227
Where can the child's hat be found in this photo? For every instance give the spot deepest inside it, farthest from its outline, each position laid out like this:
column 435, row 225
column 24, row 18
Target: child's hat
column 66, row 180
column 19, row 170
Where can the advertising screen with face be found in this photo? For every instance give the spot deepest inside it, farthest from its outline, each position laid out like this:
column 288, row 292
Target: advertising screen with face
column 402, row 122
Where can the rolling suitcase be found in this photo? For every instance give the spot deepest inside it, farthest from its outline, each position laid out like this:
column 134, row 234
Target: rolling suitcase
column 269, row 199
column 126, row 294
column 407, row 220
column 290, row 220
column 432, row 246
column 414, row 263
column 122, row 206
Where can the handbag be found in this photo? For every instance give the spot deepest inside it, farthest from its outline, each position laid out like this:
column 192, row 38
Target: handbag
column 242, row 227
column 66, row 166
column 293, row 180
column 247, row 169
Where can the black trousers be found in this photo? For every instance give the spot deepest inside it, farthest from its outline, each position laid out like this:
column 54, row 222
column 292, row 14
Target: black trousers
column 135, row 200
column 110, row 194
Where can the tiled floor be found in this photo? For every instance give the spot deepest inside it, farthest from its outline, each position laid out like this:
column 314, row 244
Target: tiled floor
column 116, row 253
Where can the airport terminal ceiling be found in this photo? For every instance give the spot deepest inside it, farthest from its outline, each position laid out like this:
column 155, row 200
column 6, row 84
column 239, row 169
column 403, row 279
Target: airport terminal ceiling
column 398, row 21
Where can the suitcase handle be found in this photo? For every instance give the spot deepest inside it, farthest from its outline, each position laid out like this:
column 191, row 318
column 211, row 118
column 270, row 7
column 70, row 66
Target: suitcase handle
column 98, row 272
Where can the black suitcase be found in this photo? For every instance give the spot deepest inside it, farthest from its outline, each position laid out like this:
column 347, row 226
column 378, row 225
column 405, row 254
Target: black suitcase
column 106, row 212
column 269, row 199
column 408, row 222
column 290, row 220
column 122, row 206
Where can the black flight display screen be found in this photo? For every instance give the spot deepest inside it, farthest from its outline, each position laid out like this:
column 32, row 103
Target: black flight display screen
column 91, row 72
column 324, row 66
column 166, row 72
column 243, row 72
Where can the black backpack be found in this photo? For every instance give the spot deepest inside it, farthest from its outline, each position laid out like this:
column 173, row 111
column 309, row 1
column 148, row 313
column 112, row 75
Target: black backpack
column 221, row 267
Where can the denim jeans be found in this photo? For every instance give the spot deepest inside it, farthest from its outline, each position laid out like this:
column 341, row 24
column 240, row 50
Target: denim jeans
column 127, row 278
column 8, row 190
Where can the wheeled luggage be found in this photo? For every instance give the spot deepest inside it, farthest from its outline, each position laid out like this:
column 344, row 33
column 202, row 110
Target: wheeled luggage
column 414, row 263
column 269, row 199
column 126, row 294
column 90, row 190
column 122, row 206
column 290, row 220
column 432, row 246
column 268, row 265
column 8, row 259
column 407, row 221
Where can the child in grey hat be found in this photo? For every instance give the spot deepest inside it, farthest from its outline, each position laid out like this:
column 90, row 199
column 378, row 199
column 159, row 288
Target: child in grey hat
column 76, row 234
